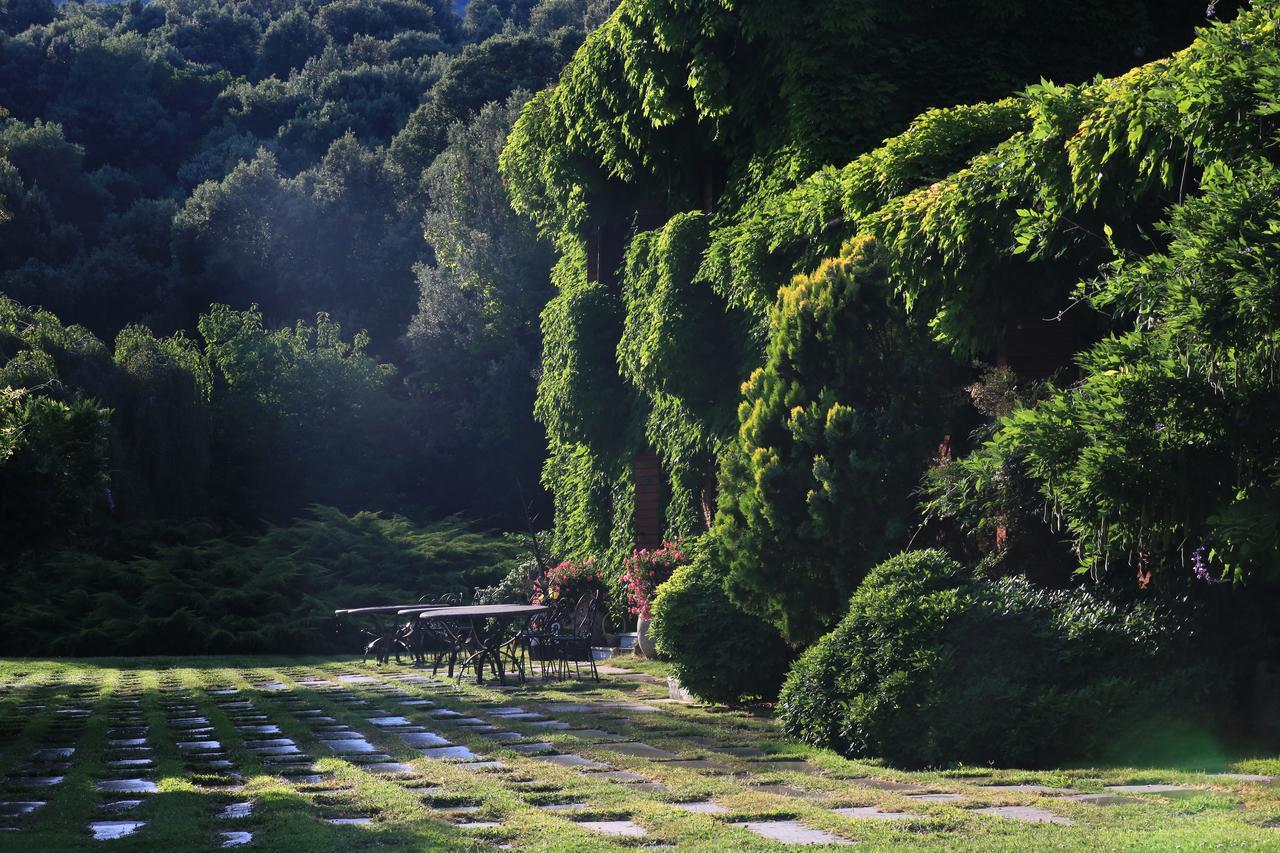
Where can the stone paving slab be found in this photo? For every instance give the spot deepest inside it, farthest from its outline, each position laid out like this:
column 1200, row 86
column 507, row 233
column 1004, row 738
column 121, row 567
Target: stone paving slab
column 789, row 791
column 558, row 725
column 349, row 746
column 453, row 753
column 702, row 807
column 1101, row 799
column 873, row 813
column 633, row 707
column 569, row 759
column 126, row 786
column 787, row 765
column 109, row 830
column 568, row 707
column 625, row 777
column 1026, row 814
column 594, row 735
column 884, row 784
column 388, row 768
column 1044, row 790
column 235, row 811
column 699, row 764
column 639, row 750
column 17, row 808
column 791, row 832
column 937, row 797
column 621, row 828
column 1162, row 790
column 531, row 748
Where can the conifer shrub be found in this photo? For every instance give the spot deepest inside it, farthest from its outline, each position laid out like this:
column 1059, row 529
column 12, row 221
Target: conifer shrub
column 835, row 430
column 932, row 666
column 179, row 588
column 719, row 652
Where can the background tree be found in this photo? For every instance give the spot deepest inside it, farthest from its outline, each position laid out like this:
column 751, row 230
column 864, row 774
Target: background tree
column 300, row 416
column 474, row 339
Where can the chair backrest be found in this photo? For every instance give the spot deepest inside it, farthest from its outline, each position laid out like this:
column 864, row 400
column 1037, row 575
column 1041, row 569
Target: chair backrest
column 557, row 620
column 584, row 613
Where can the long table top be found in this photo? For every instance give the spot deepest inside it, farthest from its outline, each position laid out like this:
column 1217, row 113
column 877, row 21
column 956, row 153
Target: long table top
column 479, row 611
column 389, row 608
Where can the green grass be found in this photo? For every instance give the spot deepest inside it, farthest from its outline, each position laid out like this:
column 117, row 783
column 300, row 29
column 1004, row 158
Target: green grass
column 413, row 813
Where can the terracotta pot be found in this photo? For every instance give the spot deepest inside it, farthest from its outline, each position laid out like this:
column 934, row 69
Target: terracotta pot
column 644, row 642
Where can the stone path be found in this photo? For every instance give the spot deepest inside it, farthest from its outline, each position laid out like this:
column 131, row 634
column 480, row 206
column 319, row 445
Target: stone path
column 610, row 768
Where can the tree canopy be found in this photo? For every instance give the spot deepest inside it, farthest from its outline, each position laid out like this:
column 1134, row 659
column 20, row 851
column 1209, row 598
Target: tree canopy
column 200, row 180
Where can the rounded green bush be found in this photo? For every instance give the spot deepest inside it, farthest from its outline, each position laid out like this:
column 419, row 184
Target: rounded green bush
column 719, row 652
column 933, row 667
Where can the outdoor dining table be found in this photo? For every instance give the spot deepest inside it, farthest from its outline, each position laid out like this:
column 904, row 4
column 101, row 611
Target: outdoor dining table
column 483, row 632
column 386, row 634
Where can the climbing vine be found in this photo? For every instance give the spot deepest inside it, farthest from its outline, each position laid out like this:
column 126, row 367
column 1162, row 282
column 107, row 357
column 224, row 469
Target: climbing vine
column 978, row 213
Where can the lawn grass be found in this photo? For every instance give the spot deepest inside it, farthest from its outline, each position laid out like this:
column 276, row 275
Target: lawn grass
column 429, row 806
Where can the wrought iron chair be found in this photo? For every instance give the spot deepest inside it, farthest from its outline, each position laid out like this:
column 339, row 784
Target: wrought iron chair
column 387, row 638
column 540, row 641
column 427, row 639
column 574, row 646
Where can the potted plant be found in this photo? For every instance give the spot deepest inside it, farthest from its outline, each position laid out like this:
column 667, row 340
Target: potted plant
column 642, row 573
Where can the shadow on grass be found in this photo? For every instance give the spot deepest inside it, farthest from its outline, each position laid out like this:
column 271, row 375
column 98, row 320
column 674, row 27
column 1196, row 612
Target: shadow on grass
column 184, row 813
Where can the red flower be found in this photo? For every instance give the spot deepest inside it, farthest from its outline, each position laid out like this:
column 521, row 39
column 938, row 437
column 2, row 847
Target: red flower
column 644, row 571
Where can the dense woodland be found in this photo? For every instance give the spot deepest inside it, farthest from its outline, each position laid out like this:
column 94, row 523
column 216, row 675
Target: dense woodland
column 950, row 328
column 255, row 258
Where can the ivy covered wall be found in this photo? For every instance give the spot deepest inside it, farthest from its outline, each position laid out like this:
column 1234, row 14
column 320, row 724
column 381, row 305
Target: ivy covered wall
column 980, row 213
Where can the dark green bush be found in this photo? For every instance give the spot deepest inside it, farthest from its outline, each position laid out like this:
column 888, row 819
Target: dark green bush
column 932, row 666
column 182, row 590
column 718, row 652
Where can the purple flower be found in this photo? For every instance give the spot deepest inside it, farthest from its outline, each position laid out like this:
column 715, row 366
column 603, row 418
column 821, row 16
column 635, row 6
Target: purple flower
column 1200, row 563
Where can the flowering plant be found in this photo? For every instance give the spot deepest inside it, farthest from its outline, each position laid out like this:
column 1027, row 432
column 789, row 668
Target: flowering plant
column 645, row 570
column 570, row 578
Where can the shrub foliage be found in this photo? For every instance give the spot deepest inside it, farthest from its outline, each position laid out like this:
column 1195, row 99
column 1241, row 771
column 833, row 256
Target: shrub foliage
column 718, row 652
column 931, row 667
column 178, row 588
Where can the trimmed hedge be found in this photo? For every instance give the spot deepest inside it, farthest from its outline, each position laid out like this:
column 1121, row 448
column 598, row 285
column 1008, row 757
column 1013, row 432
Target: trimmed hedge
column 932, row 667
column 719, row 652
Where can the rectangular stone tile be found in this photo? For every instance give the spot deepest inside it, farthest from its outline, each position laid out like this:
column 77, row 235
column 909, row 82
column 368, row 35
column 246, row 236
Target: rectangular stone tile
column 622, row 828
column 791, row 832
column 873, row 813
column 1026, row 814
column 639, row 750
column 571, row 760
